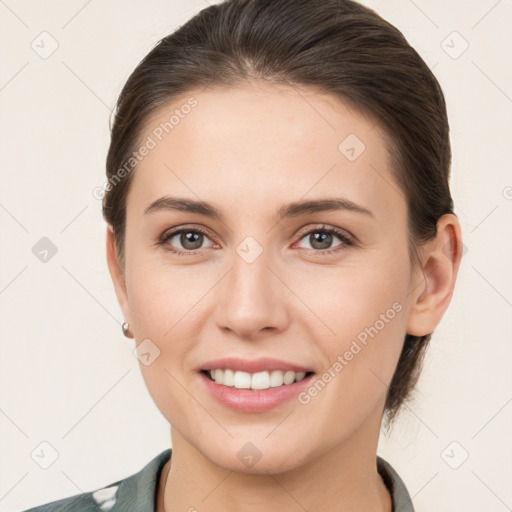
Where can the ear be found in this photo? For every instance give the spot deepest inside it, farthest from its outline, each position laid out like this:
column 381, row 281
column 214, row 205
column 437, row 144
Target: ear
column 432, row 286
column 116, row 273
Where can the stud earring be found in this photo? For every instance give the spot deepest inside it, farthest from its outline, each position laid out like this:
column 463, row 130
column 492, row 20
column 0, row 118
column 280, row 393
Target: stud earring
column 126, row 331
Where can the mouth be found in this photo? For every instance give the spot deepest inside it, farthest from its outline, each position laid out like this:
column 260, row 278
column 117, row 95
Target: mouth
column 258, row 381
column 257, row 392
column 253, row 385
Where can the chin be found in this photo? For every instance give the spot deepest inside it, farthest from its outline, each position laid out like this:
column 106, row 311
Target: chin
column 255, row 458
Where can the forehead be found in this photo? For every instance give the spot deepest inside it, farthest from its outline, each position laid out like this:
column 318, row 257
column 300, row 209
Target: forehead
column 259, row 142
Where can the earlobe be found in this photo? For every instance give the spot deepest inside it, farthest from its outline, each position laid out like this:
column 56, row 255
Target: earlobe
column 432, row 295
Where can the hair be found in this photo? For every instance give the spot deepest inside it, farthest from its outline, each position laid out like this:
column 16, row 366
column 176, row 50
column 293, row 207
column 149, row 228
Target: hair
column 336, row 47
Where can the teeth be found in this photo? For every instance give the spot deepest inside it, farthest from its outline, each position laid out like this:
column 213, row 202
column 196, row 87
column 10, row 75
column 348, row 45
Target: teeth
column 260, row 380
column 276, row 379
column 242, row 380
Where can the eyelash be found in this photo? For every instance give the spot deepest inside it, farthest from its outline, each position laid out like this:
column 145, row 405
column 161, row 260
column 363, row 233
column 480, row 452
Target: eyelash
column 347, row 241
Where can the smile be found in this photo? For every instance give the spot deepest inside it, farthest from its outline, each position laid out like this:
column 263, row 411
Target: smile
column 255, row 400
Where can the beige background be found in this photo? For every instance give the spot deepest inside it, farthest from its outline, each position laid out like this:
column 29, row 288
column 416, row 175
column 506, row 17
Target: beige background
column 68, row 376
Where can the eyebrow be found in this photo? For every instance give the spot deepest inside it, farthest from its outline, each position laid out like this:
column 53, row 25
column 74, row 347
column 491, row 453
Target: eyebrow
column 294, row 209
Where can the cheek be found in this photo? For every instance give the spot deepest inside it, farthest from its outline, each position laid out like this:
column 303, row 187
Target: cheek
column 166, row 303
column 366, row 316
column 363, row 311
column 163, row 299
column 162, row 308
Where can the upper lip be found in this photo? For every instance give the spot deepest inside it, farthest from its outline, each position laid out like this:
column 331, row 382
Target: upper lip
column 253, row 365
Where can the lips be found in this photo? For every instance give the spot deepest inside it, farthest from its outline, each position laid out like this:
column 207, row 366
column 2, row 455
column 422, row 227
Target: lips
column 253, row 386
column 253, row 366
column 253, row 400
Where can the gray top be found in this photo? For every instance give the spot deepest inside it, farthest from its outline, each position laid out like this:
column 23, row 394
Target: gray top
column 137, row 493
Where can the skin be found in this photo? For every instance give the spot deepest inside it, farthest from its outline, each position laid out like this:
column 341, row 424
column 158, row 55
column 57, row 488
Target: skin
column 249, row 150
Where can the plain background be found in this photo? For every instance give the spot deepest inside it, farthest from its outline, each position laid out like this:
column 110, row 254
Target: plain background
column 68, row 376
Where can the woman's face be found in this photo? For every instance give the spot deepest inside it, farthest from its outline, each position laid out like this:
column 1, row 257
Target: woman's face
column 276, row 278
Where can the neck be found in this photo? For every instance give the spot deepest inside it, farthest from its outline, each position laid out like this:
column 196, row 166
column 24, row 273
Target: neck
column 344, row 479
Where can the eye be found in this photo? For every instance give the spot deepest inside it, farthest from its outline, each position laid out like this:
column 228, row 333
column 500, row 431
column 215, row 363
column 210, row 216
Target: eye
column 321, row 239
column 190, row 239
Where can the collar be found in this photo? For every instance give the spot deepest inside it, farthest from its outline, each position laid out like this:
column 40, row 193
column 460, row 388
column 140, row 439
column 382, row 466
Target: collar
column 399, row 494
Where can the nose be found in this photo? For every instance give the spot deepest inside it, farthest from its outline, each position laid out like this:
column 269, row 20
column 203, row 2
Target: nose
column 251, row 299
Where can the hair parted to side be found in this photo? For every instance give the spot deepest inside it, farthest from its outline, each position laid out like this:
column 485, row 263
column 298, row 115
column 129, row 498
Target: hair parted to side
column 337, row 47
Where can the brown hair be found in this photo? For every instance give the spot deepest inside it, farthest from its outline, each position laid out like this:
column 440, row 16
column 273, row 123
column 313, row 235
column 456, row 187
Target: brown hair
column 338, row 47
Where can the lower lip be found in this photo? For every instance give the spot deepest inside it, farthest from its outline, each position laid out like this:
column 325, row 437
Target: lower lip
column 246, row 400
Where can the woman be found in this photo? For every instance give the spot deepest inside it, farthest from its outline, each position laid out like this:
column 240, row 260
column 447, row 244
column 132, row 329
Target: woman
column 282, row 243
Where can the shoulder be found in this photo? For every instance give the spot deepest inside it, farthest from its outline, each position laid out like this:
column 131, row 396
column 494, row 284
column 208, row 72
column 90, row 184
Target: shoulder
column 136, row 492
column 93, row 501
